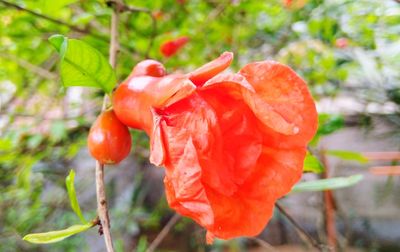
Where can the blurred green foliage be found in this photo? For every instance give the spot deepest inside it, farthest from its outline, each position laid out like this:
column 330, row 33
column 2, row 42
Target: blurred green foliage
column 339, row 47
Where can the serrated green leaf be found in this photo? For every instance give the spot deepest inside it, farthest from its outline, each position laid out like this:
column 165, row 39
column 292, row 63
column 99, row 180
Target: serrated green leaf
column 327, row 184
column 83, row 65
column 56, row 236
column 348, row 155
column 312, row 164
column 69, row 182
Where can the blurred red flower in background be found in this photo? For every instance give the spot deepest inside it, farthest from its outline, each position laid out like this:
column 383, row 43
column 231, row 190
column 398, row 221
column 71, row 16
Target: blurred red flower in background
column 157, row 14
column 294, row 4
column 342, row 43
column 171, row 47
column 231, row 143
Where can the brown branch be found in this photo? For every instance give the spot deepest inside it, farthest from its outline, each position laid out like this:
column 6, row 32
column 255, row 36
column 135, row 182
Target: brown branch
column 160, row 237
column 72, row 27
column 114, row 43
column 314, row 243
column 329, row 206
column 31, row 67
column 60, row 22
column 29, row 90
column 126, row 8
column 102, row 209
column 263, row 244
column 153, row 34
column 153, row 21
column 93, row 23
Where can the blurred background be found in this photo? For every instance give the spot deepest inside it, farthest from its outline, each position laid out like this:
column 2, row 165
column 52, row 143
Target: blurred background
column 348, row 51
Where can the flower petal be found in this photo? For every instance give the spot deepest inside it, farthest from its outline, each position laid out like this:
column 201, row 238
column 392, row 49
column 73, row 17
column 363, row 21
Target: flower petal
column 247, row 211
column 237, row 85
column 231, row 146
column 209, row 70
column 235, row 160
column 279, row 87
column 185, row 192
column 193, row 118
column 135, row 97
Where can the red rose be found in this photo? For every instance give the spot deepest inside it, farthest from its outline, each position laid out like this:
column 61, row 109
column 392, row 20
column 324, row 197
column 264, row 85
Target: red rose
column 231, row 144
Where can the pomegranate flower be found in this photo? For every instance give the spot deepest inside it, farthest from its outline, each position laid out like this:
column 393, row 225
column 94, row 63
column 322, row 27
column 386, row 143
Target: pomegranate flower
column 231, row 143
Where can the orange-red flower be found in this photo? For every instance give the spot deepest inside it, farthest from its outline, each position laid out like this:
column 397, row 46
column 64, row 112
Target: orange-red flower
column 171, row 47
column 231, row 143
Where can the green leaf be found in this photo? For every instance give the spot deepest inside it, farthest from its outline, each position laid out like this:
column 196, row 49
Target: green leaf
column 327, row 184
column 69, row 181
column 57, row 41
column 312, row 164
column 329, row 123
column 83, row 65
column 56, row 236
column 142, row 245
column 58, row 131
column 52, row 7
column 34, row 141
column 348, row 155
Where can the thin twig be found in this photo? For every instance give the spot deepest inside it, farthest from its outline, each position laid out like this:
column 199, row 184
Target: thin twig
column 72, row 27
column 329, row 206
column 102, row 209
column 60, row 22
column 153, row 34
column 114, row 43
column 93, row 23
column 153, row 21
column 29, row 90
column 263, row 244
column 313, row 242
column 31, row 67
column 160, row 237
column 123, row 7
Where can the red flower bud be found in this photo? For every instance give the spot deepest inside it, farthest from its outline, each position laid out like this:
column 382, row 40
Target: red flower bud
column 109, row 140
column 149, row 67
column 342, row 43
column 171, row 47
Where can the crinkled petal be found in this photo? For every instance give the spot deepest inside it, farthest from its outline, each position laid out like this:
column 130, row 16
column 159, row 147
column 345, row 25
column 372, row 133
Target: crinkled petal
column 286, row 93
column 247, row 212
column 184, row 190
column 240, row 139
column 233, row 146
column 193, row 118
column 237, row 85
column 209, row 70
